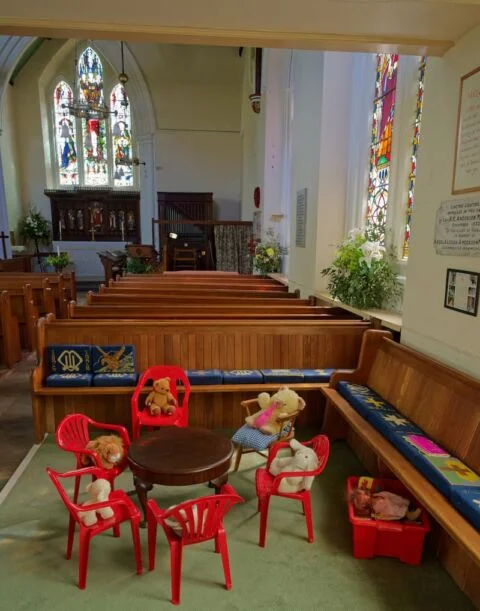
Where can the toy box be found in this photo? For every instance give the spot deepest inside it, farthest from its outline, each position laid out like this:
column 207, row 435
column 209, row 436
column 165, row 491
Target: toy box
column 397, row 539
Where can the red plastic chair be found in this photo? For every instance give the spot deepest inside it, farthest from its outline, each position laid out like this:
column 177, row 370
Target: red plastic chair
column 72, row 435
column 200, row 520
column 267, row 484
column 123, row 507
column 142, row 417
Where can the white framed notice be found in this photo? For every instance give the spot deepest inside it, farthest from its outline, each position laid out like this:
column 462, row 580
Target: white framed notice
column 466, row 169
column 461, row 291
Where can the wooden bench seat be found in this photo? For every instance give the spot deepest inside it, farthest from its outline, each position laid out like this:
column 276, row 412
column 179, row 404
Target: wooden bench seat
column 445, row 405
column 200, row 299
column 194, row 344
column 67, row 280
column 26, row 313
column 42, row 293
column 10, row 351
column 187, row 292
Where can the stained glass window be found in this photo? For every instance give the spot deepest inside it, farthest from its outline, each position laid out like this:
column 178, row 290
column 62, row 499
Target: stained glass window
column 65, row 136
column 121, row 137
column 413, row 159
column 381, row 145
column 94, row 131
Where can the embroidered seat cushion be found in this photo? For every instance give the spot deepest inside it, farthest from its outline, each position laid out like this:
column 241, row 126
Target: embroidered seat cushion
column 317, row 375
column 390, row 423
column 362, row 398
column 69, row 358
column 114, row 359
column 203, row 377
column 69, row 379
column 282, row 376
column 251, row 438
column 467, row 501
column 115, row 379
column 242, row 376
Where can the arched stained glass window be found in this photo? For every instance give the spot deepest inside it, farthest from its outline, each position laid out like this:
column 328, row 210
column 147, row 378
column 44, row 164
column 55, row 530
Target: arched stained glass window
column 65, row 136
column 94, row 131
column 413, row 159
column 121, row 124
column 381, row 145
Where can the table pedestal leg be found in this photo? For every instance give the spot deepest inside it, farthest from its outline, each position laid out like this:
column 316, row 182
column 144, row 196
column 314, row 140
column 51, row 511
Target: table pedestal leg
column 218, row 482
column 142, row 488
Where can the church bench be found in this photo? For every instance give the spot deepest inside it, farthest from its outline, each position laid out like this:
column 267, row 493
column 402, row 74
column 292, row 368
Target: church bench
column 41, row 291
column 67, row 280
column 188, row 292
column 26, row 313
column 10, row 351
column 157, row 279
column 200, row 299
column 415, row 397
column 200, row 286
column 194, row 345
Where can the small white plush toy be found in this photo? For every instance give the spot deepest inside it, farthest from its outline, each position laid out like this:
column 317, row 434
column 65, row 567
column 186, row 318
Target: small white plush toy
column 99, row 491
column 304, row 459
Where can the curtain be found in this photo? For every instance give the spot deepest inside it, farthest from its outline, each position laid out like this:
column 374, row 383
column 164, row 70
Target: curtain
column 231, row 245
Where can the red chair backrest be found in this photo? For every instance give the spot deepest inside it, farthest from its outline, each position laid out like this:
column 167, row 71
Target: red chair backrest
column 55, row 476
column 321, row 446
column 177, row 376
column 72, row 432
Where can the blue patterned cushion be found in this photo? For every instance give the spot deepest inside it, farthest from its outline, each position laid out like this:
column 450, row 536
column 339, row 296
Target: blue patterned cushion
column 69, row 358
column 248, row 437
column 282, row 376
column 115, row 379
column 391, row 423
column 203, row 377
column 362, row 398
column 242, row 376
column 467, row 501
column 69, row 379
column 114, row 359
column 317, row 375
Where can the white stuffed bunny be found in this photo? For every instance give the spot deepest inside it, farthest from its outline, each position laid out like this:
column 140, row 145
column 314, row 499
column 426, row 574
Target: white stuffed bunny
column 99, row 491
column 304, row 459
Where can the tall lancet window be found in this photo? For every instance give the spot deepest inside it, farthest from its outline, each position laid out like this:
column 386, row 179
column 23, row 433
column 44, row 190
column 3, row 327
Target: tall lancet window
column 121, row 124
column 65, row 136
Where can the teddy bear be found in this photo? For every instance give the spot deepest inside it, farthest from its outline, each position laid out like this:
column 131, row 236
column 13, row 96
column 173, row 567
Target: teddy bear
column 109, row 449
column 304, row 459
column 284, row 402
column 98, row 491
column 160, row 399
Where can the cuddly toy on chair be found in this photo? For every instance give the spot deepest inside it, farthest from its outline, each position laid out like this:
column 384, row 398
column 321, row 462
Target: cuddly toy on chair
column 160, row 400
column 304, row 459
column 98, row 491
column 284, row 402
column 109, row 448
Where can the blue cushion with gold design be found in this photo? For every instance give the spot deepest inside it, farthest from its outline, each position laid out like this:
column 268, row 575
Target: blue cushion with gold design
column 362, row 398
column 242, row 376
column 203, row 377
column 390, row 422
column 115, row 379
column 69, row 358
column 114, row 359
column 317, row 375
column 69, row 379
column 282, row 376
column 467, row 501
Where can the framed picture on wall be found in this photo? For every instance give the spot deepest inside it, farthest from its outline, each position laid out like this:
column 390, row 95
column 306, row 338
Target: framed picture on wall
column 466, row 169
column 461, row 291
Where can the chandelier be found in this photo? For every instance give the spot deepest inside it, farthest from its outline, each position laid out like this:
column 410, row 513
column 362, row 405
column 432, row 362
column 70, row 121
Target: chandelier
column 90, row 105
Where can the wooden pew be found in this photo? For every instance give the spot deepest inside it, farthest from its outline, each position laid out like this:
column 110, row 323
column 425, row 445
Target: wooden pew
column 41, row 292
column 221, row 344
column 188, row 292
column 200, row 285
column 10, row 351
column 162, row 279
column 445, row 404
column 63, row 287
column 199, row 299
column 69, row 282
column 26, row 313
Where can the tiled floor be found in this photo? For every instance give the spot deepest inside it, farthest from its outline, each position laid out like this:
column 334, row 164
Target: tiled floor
column 16, row 425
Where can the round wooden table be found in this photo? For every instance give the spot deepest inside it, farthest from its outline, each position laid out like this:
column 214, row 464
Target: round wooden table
column 175, row 456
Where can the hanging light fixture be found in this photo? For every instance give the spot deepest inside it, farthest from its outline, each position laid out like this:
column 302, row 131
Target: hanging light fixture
column 123, row 78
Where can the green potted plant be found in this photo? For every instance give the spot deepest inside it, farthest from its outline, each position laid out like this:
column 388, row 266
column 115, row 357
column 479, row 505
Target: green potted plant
column 267, row 258
column 138, row 266
column 363, row 272
column 59, row 261
column 35, row 228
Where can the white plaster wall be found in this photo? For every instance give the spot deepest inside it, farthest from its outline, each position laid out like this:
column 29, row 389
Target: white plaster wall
column 451, row 337
column 9, row 154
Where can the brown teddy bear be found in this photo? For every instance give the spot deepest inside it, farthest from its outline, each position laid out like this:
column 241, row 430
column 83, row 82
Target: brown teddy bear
column 160, row 400
column 284, row 402
column 109, row 448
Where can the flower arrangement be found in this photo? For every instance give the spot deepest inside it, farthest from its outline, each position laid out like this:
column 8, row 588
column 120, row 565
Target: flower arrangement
column 363, row 273
column 267, row 254
column 59, row 261
column 34, row 227
column 137, row 265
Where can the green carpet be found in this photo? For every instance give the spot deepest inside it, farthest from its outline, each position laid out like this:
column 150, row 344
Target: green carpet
column 289, row 574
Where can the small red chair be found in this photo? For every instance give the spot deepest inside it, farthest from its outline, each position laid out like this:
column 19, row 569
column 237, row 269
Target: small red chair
column 142, row 417
column 199, row 520
column 267, row 484
column 73, row 434
column 123, row 507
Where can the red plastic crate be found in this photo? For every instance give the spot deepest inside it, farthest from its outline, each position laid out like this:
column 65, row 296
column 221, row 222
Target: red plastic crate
column 395, row 539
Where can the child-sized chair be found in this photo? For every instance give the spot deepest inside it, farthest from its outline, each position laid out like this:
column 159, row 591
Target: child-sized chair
column 123, row 509
column 188, row 523
column 267, row 484
column 73, row 434
column 142, row 417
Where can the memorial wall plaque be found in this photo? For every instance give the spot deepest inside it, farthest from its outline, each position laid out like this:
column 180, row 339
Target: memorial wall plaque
column 301, row 224
column 457, row 228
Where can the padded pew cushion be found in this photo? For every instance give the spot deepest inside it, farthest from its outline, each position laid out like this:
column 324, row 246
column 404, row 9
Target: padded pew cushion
column 467, row 501
column 204, row 377
column 363, row 399
column 282, row 376
column 69, row 379
column 390, row 423
column 248, row 437
column 242, row 376
column 69, row 358
column 317, row 375
column 113, row 359
column 115, row 379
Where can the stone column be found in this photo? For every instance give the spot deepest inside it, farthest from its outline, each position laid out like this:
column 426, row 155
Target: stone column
column 148, row 189
column 4, row 226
